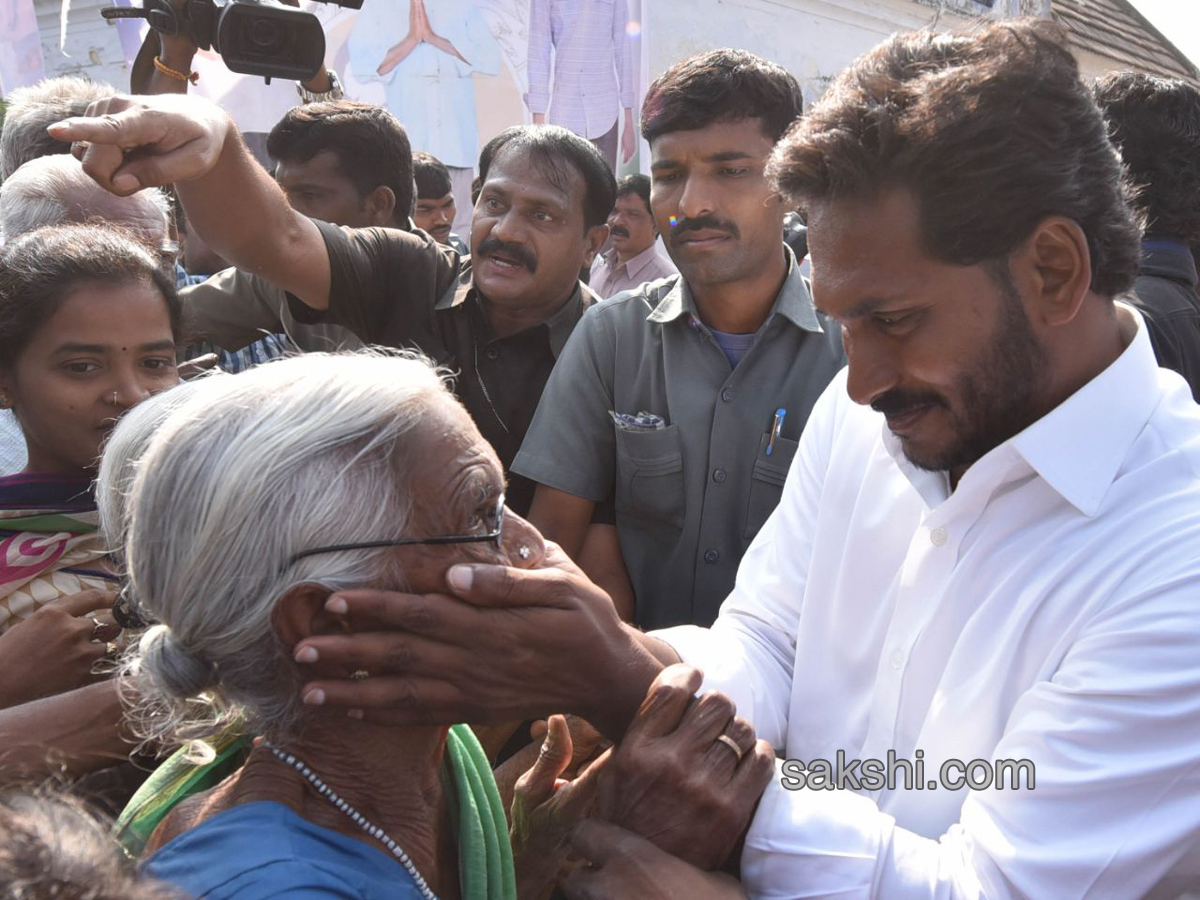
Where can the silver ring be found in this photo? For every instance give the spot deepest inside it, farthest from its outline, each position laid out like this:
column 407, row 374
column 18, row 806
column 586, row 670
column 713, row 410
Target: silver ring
column 732, row 745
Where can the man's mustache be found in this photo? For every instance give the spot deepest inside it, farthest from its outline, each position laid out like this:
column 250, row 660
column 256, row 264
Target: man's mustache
column 619, row 230
column 897, row 403
column 702, row 223
column 516, row 252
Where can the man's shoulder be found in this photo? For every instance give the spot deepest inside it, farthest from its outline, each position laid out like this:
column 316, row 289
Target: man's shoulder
column 636, row 304
column 392, row 242
column 1162, row 297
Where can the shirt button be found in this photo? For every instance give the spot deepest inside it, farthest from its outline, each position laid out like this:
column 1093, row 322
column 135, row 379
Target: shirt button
column 491, row 353
column 711, row 557
column 727, row 395
column 938, row 536
column 897, row 659
column 719, row 475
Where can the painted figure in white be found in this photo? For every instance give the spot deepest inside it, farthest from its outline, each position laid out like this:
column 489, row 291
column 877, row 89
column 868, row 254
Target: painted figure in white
column 425, row 61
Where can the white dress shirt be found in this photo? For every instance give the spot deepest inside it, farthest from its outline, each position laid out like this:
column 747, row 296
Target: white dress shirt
column 593, row 63
column 1048, row 609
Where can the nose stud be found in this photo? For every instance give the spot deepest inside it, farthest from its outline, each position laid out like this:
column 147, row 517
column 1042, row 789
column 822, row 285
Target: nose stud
column 525, row 553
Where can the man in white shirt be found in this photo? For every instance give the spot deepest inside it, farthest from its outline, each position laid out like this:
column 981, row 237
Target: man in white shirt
column 992, row 553
column 634, row 257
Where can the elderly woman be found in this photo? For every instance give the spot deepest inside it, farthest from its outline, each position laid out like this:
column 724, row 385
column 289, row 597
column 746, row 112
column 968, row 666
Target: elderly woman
column 302, row 478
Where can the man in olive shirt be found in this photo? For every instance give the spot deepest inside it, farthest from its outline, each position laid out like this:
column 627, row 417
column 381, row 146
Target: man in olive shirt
column 686, row 397
column 498, row 322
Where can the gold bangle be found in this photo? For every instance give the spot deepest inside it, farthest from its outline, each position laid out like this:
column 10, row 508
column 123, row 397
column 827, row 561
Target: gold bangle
column 172, row 73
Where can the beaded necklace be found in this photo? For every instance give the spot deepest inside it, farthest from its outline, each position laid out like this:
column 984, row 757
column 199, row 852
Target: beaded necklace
column 358, row 818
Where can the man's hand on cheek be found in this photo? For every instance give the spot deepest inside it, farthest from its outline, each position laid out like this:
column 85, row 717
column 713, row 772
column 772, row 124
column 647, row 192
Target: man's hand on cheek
column 513, row 644
column 622, row 864
column 686, row 760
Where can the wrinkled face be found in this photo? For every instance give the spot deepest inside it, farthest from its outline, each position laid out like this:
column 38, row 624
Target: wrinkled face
column 318, row 188
column 720, row 219
column 107, row 348
column 946, row 352
column 436, row 216
column 460, row 481
column 631, row 225
column 528, row 242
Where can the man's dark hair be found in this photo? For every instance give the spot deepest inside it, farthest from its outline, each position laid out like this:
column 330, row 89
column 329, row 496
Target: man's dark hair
column 635, row 184
column 991, row 133
column 1155, row 123
column 556, row 152
column 40, row 268
column 432, row 177
column 370, row 144
column 721, row 86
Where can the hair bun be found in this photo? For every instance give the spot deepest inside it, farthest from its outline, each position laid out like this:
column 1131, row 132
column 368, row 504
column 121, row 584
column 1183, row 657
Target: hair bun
column 175, row 670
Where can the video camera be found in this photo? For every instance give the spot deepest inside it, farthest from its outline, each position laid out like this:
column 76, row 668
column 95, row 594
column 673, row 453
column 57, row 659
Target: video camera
column 254, row 37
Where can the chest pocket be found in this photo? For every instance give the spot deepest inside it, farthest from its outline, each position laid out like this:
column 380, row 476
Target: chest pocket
column 650, row 476
column 766, row 481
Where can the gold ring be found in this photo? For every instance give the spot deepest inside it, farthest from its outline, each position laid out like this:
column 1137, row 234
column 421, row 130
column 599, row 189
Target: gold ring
column 731, row 744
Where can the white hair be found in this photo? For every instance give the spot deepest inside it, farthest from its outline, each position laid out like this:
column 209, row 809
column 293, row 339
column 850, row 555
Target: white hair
column 54, row 190
column 295, row 454
column 30, row 110
column 124, row 448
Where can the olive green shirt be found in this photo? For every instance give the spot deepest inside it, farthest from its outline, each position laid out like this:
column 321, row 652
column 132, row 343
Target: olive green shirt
column 690, row 495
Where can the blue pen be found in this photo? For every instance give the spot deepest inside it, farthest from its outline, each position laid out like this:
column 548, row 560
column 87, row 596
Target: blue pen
column 776, row 427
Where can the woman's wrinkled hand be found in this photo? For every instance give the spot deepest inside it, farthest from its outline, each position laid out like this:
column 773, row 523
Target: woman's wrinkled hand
column 546, row 808
column 622, row 864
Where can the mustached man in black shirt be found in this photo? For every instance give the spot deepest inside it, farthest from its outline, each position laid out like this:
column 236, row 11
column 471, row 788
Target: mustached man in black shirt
column 498, row 318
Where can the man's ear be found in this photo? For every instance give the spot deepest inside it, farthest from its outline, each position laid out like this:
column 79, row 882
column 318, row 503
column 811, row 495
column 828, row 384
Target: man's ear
column 595, row 238
column 381, row 205
column 1055, row 266
column 301, row 613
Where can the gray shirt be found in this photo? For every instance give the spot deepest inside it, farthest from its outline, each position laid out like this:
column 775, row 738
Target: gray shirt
column 692, row 479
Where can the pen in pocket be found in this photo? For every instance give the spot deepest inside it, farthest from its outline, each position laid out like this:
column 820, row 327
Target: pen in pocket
column 776, row 427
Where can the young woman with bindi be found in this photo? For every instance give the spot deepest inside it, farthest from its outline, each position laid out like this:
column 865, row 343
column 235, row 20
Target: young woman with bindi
column 88, row 329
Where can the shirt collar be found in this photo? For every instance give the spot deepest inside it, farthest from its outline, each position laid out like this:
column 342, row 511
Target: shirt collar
column 1078, row 447
column 793, row 302
column 560, row 325
column 634, row 265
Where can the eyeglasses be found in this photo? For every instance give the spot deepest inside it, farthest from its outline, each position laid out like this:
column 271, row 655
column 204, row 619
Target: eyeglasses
column 492, row 536
column 168, row 255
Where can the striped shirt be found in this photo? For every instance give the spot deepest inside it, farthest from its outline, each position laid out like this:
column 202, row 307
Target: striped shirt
column 593, row 63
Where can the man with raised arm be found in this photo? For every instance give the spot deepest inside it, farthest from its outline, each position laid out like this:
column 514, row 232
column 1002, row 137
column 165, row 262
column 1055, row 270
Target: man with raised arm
column 499, row 319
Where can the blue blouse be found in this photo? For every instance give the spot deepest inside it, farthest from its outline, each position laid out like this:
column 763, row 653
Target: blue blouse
column 263, row 849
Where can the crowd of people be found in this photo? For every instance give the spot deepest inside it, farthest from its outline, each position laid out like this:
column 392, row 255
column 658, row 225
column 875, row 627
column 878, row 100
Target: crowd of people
column 348, row 556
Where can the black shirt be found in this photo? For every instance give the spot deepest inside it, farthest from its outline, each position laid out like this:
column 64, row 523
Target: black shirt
column 1166, row 296
column 403, row 289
